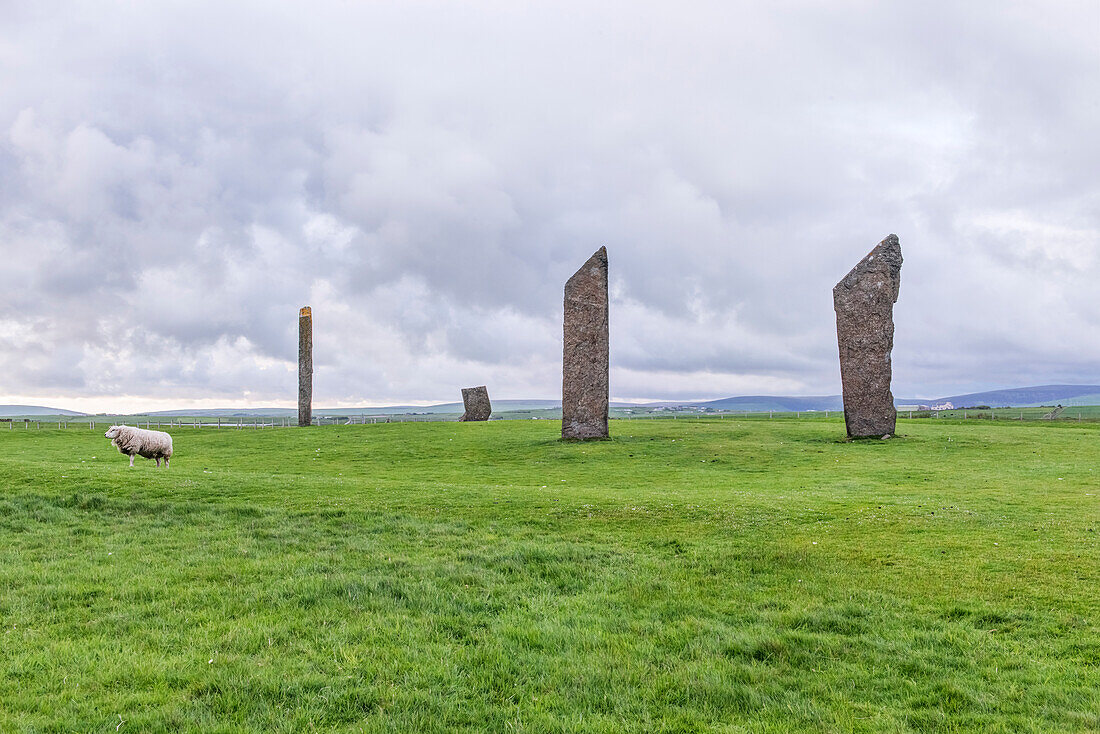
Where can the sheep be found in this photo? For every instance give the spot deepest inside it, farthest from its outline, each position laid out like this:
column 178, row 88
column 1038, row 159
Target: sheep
column 138, row 441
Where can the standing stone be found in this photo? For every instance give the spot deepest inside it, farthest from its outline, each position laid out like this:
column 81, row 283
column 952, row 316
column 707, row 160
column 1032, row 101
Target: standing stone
column 476, row 402
column 864, row 303
column 305, row 366
column 584, row 389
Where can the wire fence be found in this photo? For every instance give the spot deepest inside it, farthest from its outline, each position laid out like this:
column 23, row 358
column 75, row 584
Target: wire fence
column 204, row 422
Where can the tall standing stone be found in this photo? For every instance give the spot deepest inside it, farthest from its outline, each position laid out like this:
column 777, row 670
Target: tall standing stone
column 476, row 402
column 864, row 304
column 584, row 389
column 305, row 366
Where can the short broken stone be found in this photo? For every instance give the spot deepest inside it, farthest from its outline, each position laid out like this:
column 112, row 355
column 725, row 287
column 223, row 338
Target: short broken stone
column 864, row 304
column 476, row 402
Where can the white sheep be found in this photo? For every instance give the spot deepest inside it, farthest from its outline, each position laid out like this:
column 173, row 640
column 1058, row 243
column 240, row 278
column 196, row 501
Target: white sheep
column 138, row 441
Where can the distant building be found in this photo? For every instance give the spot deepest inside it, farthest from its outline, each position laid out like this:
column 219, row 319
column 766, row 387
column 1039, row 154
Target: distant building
column 943, row 406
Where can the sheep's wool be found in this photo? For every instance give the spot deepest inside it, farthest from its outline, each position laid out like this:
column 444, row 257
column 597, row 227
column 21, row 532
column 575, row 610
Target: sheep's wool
column 138, row 441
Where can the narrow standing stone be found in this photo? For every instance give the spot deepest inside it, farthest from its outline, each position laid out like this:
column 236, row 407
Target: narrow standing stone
column 584, row 389
column 305, row 366
column 864, row 304
column 476, row 402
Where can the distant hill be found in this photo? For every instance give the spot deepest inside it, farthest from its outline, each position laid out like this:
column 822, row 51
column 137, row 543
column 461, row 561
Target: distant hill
column 498, row 405
column 33, row 410
column 224, row 413
column 1019, row 397
column 1024, row 397
column 764, row 403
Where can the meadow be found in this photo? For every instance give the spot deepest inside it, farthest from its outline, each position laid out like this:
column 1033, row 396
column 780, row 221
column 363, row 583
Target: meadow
column 685, row 576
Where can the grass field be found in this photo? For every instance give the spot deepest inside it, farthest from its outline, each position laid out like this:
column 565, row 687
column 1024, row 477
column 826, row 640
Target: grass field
column 709, row 575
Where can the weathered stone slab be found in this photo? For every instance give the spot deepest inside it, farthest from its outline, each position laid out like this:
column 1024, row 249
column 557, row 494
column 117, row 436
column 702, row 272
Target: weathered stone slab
column 584, row 389
column 476, row 402
column 305, row 366
column 864, row 304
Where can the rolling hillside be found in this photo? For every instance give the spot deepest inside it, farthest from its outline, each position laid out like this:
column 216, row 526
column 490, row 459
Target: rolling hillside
column 33, row 410
column 1024, row 397
column 763, row 403
column 1020, row 397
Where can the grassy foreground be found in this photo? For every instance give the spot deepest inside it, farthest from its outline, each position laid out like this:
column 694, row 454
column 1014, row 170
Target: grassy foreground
column 733, row 576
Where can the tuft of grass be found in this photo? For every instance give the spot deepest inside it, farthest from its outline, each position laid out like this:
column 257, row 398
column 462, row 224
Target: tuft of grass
column 685, row 576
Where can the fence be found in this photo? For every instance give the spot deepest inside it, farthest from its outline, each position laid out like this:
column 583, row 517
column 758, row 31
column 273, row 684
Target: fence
column 218, row 423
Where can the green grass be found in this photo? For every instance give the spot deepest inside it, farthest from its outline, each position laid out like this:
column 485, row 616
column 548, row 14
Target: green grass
column 710, row 575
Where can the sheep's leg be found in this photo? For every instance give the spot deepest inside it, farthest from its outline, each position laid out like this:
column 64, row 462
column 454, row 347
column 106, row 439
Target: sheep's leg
column 158, row 462
column 131, row 461
column 166, row 463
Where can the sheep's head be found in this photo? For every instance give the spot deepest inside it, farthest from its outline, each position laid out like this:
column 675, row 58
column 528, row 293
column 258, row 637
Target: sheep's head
column 112, row 432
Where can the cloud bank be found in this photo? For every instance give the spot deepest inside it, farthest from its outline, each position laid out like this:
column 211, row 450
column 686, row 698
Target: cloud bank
column 175, row 182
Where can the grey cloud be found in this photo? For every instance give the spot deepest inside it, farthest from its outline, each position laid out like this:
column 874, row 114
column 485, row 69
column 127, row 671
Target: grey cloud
column 178, row 181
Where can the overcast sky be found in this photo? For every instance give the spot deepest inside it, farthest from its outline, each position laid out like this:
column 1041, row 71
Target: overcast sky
column 177, row 179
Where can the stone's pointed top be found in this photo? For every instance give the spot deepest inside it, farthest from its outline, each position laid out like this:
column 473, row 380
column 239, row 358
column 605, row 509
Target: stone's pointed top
column 885, row 258
column 305, row 311
column 890, row 247
column 597, row 262
column 599, row 257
